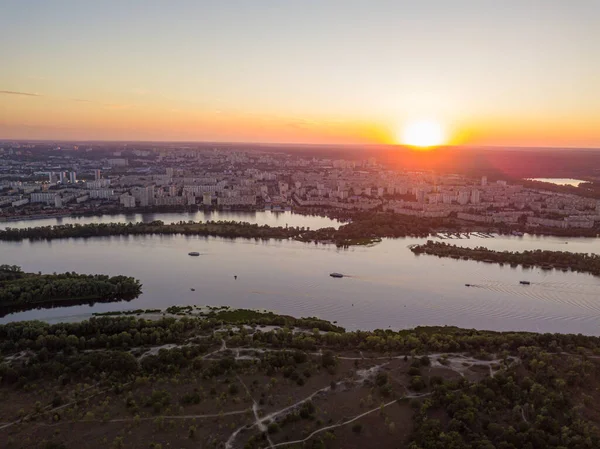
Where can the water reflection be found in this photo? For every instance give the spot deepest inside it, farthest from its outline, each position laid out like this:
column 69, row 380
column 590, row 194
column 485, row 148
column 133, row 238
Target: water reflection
column 260, row 218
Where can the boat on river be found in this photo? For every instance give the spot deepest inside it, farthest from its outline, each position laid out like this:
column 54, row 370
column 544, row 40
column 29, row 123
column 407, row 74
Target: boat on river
column 336, row 275
column 524, row 282
column 194, row 253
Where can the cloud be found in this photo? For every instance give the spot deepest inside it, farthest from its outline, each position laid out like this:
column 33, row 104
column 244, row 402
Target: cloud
column 12, row 92
column 82, row 100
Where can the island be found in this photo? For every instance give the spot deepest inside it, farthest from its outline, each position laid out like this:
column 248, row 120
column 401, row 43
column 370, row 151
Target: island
column 561, row 260
column 24, row 291
column 218, row 377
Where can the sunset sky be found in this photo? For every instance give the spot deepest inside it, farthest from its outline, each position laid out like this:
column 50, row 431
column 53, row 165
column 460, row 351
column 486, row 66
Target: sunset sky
column 510, row 72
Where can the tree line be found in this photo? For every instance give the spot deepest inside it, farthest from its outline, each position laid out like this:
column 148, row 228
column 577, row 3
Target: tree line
column 363, row 228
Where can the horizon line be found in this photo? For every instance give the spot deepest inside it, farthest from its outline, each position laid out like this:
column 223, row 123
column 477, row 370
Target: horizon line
column 365, row 145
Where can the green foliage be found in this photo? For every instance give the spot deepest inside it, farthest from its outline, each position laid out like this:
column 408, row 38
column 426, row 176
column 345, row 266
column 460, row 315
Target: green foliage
column 581, row 262
column 328, row 360
column 307, row 410
column 381, row 378
column 273, row 428
column 25, row 290
column 509, row 411
column 158, row 400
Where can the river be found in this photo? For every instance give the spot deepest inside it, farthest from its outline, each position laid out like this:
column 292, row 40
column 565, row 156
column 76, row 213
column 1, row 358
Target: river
column 560, row 181
column 387, row 285
column 261, row 217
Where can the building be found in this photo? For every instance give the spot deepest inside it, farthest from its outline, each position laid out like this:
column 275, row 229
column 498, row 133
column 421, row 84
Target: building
column 475, row 197
column 62, row 178
column 118, row 162
column 145, row 195
column 42, row 197
column 101, row 194
column 99, row 184
column 203, row 189
column 127, row 200
column 97, row 174
column 170, row 172
column 21, row 202
column 463, row 197
column 73, row 177
column 170, row 201
column 245, row 200
column 207, row 199
column 483, row 181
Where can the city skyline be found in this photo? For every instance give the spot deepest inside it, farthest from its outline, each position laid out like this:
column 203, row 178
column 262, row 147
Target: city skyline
column 515, row 74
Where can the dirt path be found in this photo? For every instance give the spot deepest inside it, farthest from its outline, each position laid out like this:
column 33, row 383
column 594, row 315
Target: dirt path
column 351, row 420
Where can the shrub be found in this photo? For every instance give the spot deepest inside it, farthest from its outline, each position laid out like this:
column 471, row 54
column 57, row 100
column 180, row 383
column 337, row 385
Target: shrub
column 414, row 371
column 417, row 383
column 381, row 379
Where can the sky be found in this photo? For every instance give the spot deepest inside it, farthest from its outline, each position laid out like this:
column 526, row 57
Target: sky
column 510, row 72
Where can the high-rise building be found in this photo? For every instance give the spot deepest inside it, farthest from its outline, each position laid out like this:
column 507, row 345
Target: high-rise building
column 62, row 177
column 97, row 174
column 483, row 181
column 73, row 177
column 145, row 195
column 463, row 197
column 127, row 200
column 475, row 197
column 170, row 172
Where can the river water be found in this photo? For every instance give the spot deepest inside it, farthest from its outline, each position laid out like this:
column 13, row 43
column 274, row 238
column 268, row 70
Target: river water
column 387, row 285
column 262, row 218
column 560, row 181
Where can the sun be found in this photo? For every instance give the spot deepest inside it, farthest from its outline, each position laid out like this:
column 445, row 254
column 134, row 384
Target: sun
column 423, row 134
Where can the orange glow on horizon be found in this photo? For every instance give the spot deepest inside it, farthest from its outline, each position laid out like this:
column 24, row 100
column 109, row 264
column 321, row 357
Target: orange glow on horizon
column 423, row 134
column 156, row 119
